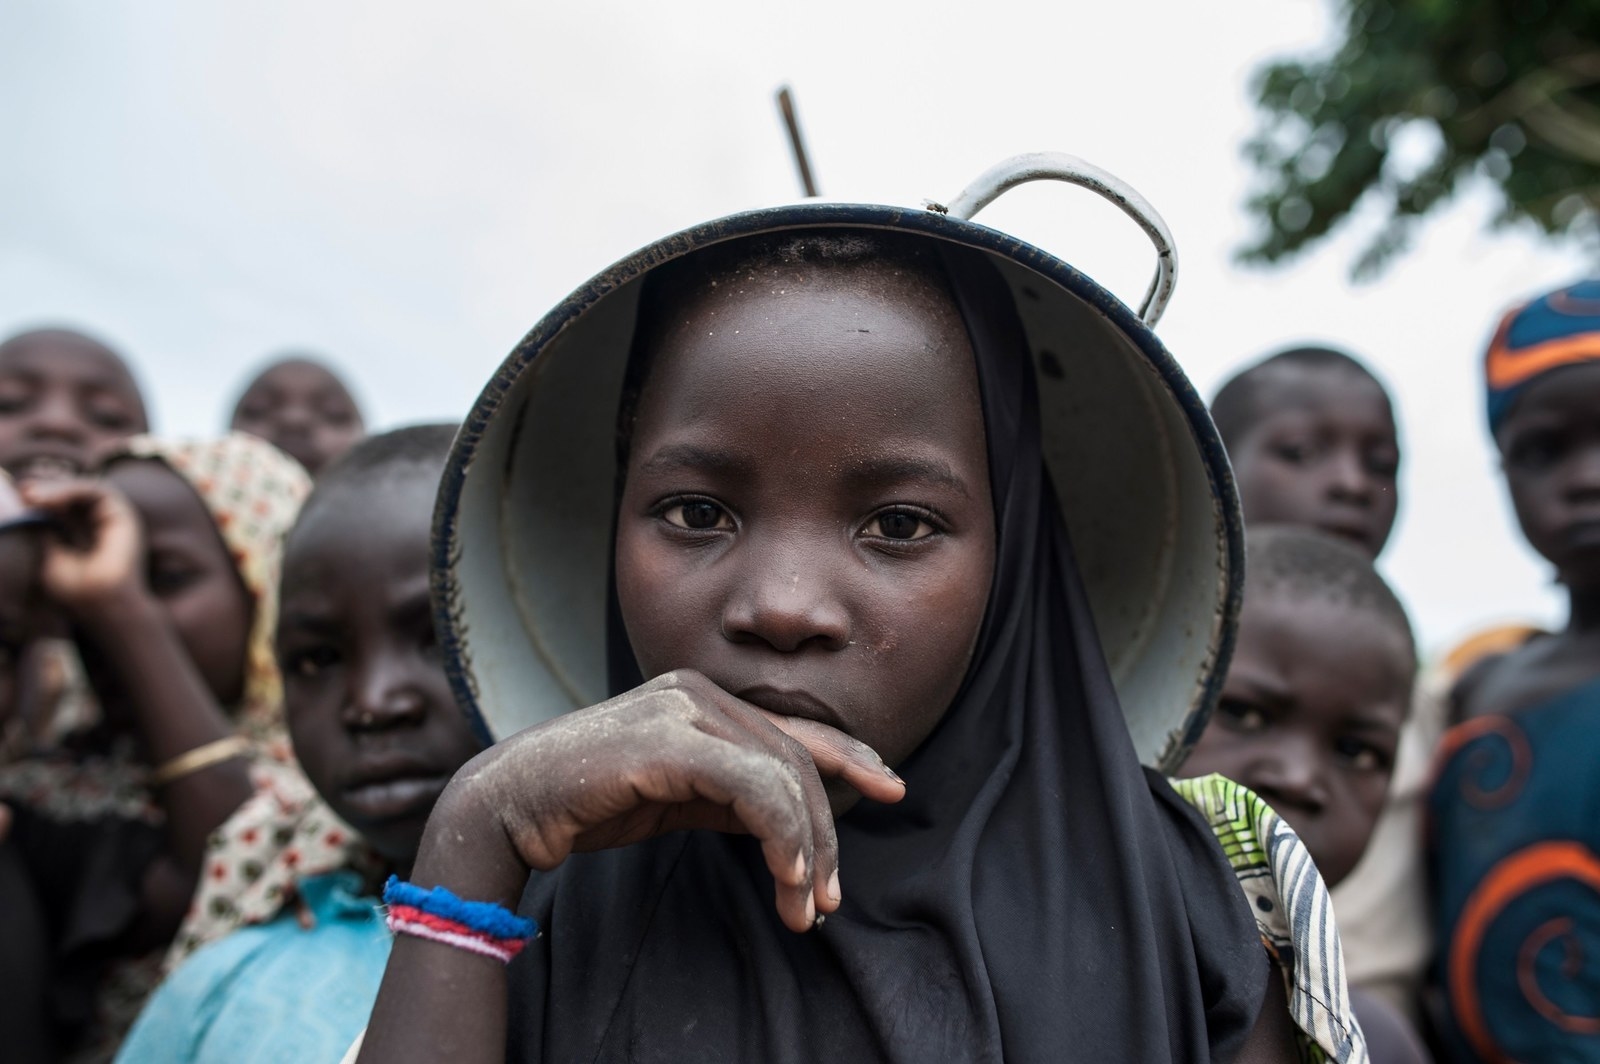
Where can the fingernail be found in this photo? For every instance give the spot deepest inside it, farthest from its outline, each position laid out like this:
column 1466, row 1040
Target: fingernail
column 833, row 887
column 887, row 771
column 811, row 910
column 799, row 867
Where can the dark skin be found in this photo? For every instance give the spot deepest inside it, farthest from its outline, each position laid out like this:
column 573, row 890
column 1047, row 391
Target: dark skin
column 300, row 407
column 803, row 600
column 162, row 617
column 1550, row 454
column 21, row 551
column 373, row 722
column 64, row 400
column 1310, row 719
column 1322, row 453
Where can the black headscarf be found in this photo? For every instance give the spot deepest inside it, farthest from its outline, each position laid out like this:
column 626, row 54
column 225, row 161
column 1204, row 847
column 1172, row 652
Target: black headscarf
column 1037, row 895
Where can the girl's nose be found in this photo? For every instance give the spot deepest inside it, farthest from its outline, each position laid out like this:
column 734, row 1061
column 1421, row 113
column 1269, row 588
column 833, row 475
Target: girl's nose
column 1291, row 778
column 57, row 417
column 1348, row 478
column 788, row 606
column 1582, row 480
column 382, row 695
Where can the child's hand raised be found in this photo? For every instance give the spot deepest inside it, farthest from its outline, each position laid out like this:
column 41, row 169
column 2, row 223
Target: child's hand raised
column 98, row 551
column 678, row 752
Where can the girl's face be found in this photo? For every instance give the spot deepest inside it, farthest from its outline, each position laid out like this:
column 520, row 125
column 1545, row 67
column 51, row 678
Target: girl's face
column 64, row 399
column 189, row 571
column 369, row 708
column 1323, row 454
column 301, row 408
column 806, row 516
column 1550, row 448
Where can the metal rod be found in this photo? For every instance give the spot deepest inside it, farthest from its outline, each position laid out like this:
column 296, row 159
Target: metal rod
column 792, row 122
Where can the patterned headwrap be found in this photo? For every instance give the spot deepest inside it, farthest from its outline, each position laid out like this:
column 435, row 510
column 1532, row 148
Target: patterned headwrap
column 253, row 492
column 1560, row 328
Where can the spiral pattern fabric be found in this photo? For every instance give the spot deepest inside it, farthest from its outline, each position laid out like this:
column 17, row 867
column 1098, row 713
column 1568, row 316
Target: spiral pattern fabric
column 1515, row 856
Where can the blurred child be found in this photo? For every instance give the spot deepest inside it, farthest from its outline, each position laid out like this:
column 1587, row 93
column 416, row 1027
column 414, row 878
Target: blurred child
column 65, row 398
column 1311, row 435
column 1515, row 809
column 379, row 735
column 22, row 933
column 1312, row 709
column 167, row 568
column 300, row 406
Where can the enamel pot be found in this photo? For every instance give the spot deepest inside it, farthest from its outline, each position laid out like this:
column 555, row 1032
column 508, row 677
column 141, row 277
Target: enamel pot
column 522, row 531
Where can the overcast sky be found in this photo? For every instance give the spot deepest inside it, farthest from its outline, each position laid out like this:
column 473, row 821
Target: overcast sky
column 407, row 187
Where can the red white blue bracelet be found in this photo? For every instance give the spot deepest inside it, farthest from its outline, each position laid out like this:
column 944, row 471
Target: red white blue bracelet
column 480, row 927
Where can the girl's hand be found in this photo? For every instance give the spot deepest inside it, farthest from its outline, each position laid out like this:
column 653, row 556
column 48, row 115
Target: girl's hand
column 678, row 752
column 98, row 553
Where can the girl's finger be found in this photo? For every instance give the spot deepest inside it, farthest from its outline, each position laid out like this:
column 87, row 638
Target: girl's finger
column 751, row 724
column 766, row 796
column 839, row 756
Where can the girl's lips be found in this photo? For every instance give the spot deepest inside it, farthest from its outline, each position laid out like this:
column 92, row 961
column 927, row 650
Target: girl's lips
column 393, row 798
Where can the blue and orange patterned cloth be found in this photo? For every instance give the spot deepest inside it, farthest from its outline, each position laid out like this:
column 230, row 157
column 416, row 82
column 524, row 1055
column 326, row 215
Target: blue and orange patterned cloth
column 1515, row 856
column 1559, row 329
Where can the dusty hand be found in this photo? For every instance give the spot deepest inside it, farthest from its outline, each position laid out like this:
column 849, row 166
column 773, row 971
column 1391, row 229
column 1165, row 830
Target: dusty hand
column 98, row 552
column 676, row 753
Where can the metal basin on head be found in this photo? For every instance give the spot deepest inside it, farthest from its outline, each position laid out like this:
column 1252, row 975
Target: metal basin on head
column 522, row 533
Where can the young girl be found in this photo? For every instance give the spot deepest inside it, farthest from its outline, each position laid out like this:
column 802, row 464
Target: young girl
column 1515, row 846
column 300, row 405
column 168, row 571
column 378, row 734
column 851, row 653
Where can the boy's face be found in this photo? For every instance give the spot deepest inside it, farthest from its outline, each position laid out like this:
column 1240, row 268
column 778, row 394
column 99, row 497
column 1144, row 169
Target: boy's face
column 1550, row 450
column 806, row 517
column 64, row 400
column 1321, row 454
column 1310, row 718
column 189, row 570
column 368, row 705
column 303, row 410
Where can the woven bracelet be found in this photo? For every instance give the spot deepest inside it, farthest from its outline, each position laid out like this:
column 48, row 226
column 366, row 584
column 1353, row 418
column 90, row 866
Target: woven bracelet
column 480, row 927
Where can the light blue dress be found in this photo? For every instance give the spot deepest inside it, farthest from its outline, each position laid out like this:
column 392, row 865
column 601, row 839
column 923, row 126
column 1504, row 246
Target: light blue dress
column 274, row 991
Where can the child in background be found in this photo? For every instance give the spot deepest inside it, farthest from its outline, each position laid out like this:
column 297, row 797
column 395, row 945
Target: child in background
column 301, row 407
column 1312, row 437
column 1515, row 809
column 65, row 399
column 22, row 933
column 379, row 736
column 1312, row 709
column 167, row 569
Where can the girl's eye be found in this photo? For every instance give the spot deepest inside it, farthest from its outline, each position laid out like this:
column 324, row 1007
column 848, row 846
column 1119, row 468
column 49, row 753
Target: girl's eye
column 1537, row 450
column 1360, row 755
column 1241, row 716
column 900, row 525
column 1383, row 465
column 697, row 515
column 167, row 575
column 111, row 416
column 310, row 661
column 1293, row 453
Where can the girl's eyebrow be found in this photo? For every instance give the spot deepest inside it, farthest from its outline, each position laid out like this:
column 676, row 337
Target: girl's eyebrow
column 897, row 469
column 692, row 456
